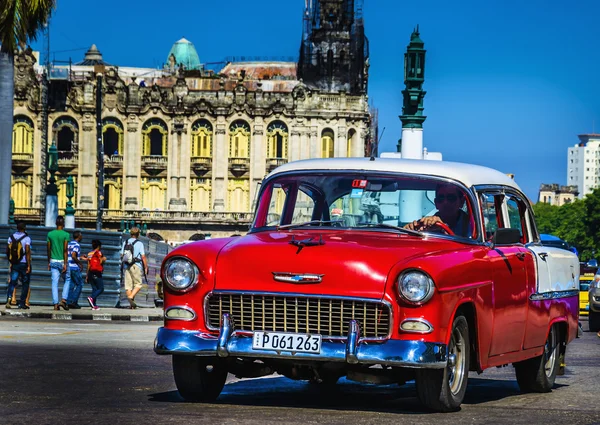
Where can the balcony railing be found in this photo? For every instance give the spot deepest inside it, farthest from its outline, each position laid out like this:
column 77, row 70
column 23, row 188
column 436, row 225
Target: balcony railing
column 239, row 166
column 24, row 157
column 154, row 161
column 67, row 158
column 89, row 215
column 273, row 163
column 115, row 160
column 201, row 163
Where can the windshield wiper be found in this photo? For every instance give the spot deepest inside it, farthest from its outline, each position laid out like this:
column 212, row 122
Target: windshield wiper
column 390, row 226
column 306, row 223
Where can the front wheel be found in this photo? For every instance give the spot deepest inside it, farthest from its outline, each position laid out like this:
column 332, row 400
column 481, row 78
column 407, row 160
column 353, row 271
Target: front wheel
column 539, row 373
column 444, row 390
column 594, row 321
column 199, row 379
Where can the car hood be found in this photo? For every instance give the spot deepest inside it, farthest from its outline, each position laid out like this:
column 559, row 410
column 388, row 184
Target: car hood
column 349, row 263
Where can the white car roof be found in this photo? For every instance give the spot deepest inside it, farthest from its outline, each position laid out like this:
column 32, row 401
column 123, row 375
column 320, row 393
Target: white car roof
column 468, row 174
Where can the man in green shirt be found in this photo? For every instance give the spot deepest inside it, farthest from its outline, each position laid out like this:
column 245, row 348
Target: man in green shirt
column 57, row 241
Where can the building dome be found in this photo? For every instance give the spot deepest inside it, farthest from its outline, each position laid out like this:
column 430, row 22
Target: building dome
column 92, row 57
column 185, row 54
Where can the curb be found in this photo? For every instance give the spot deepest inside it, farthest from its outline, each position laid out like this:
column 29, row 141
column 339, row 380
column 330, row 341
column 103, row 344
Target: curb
column 153, row 317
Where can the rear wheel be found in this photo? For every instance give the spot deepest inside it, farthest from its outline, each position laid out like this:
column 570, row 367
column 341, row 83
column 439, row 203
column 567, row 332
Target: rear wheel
column 538, row 374
column 199, row 379
column 444, row 390
column 594, row 321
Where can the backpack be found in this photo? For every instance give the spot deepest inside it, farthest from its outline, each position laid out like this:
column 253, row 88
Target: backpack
column 128, row 257
column 95, row 264
column 15, row 249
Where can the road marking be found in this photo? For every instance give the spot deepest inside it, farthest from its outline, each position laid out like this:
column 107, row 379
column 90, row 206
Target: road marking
column 30, row 333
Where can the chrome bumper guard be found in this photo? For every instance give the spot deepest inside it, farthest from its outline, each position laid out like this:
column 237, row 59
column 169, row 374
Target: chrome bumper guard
column 417, row 354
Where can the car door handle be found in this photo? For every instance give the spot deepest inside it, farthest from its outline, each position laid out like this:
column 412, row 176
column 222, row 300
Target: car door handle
column 543, row 255
column 521, row 255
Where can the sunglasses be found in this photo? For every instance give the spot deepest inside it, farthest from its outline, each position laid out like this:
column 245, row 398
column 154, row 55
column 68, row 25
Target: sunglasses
column 450, row 198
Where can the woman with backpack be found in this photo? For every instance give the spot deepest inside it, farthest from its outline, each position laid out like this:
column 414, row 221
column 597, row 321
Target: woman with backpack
column 94, row 273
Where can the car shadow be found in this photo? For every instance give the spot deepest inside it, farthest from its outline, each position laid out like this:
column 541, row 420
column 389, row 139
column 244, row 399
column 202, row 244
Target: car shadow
column 345, row 395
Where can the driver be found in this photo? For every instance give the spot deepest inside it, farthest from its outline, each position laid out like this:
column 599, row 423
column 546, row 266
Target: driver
column 449, row 200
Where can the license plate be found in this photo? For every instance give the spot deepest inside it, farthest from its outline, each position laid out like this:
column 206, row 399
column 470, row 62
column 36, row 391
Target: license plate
column 284, row 341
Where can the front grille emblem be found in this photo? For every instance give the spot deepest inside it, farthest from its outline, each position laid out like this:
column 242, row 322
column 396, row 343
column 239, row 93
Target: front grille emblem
column 298, row 278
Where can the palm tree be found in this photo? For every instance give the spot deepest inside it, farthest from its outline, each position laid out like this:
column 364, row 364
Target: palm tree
column 20, row 22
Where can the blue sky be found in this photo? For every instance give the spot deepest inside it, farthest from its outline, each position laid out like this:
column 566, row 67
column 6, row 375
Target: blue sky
column 510, row 83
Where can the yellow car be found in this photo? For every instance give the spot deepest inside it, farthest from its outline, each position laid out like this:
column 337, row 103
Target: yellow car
column 584, row 287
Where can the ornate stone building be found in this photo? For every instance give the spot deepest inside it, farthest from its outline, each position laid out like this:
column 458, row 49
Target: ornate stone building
column 185, row 147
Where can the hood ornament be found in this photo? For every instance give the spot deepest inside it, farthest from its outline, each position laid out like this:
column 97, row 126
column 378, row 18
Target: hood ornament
column 306, row 242
column 298, row 278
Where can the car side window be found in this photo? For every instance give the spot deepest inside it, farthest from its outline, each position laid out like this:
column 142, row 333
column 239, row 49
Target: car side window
column 492, row 213
column 278, row 198
column 516, row 216
column 281, row 198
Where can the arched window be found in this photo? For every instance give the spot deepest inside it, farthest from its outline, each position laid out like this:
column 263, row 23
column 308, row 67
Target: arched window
column 22, row 140
column 238, row 199
column 21, row 190
column 154, row 193
column 200, row 195
column 351, row 141
column 202, row 134
column 277, row 140
column 239, row 139
column 154, row 133
column 327, row 137
column 112, row 193
column 65, row 132
column 112, row 135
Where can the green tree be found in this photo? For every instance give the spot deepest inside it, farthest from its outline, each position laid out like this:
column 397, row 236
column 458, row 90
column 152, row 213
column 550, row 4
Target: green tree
column 20, row 22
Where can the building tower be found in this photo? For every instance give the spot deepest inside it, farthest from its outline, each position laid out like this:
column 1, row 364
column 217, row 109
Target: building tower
column 334, row 52
column 412, row 110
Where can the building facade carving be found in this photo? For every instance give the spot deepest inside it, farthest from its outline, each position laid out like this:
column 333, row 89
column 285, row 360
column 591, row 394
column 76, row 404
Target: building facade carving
column 186, row 147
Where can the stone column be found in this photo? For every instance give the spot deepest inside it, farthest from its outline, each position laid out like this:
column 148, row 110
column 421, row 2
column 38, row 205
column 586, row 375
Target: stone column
column 185, row 167
column 258, row 165
column 341, row 142
column 38, row 179
column 88, row 164
column 294, row 144
column 132, row 164
column 315, row 146
column 176, row 201
column 220, row 166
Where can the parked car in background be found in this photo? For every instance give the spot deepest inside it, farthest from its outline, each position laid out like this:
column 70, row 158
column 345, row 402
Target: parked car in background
column 555, row 241
column 587, row 274
column 323, row 287
column 594, row 304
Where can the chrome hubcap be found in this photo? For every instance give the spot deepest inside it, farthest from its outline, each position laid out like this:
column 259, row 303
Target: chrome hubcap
column 456, row 361
column 550, row 353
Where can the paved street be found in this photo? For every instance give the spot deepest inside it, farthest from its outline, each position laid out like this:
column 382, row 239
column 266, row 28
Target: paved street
column 105, row 372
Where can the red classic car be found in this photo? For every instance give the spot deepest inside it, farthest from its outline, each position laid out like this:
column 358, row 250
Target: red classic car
column 379, row 270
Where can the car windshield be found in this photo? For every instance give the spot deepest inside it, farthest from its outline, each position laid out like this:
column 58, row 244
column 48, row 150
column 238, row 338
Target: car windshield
column 363, row 200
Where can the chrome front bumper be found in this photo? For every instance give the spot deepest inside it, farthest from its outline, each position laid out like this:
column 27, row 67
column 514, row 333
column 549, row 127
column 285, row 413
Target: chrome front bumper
column 417, row 354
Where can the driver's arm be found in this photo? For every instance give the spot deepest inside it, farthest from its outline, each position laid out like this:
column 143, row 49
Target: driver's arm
column 423, row 223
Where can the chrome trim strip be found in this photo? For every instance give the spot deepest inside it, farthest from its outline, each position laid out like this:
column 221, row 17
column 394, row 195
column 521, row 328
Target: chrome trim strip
column 417, row 319
column 298, row 278
column 180, row 307
column 292, row 294
column 405, row 353
column 541, row 296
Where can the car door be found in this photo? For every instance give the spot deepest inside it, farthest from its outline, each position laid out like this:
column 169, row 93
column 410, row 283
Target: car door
column 509, row 264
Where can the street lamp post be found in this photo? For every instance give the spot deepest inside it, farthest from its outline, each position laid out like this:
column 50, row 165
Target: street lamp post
column 69, row 210
column 99, row 148
column 51, row 188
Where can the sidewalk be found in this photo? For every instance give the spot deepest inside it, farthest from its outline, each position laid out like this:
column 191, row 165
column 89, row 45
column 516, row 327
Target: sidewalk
column 140, row 314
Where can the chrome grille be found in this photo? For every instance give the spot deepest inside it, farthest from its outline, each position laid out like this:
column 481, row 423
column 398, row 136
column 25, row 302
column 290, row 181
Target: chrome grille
column 326, row 316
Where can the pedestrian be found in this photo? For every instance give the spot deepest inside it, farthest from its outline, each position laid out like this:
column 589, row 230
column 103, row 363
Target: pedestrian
column 95, row 269
column 133, row 264
column 18, row 252
column 57, row 242
column 75, row 268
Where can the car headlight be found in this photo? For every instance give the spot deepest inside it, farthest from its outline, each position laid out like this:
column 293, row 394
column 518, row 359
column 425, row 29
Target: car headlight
column 415, row 286
column 180, row 274
column 594, row 284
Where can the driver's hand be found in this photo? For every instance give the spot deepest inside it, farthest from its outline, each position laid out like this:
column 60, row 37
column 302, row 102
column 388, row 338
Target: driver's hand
column 423, row 223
